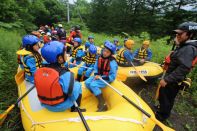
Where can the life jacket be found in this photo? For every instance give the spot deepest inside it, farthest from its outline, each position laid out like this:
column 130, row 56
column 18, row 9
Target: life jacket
column 19, row 57
column 90, row 58
column 48, row 87
column 120, row 57
column 103, row 66
column 194, row 62
column 75, row 50
column 142, row 54
column 46, row 39
column 26, row 68
column 168, row 60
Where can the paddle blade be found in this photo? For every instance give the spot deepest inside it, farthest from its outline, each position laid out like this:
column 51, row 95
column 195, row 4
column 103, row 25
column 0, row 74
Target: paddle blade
column 161, row 125
column 121, row 77
column 140, row 75
column 2, row 118
column 5, row 113
column 19, row 77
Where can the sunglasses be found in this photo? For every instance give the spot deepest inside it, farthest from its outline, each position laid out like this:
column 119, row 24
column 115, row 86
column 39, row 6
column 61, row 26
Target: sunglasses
column 179, row 33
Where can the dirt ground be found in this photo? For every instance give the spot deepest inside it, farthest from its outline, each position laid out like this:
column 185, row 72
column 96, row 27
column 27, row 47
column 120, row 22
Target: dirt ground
column 180, row 121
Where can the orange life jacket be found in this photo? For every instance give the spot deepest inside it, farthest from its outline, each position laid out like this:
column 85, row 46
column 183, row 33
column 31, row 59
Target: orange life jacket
column 48, row 88
column 103, row 66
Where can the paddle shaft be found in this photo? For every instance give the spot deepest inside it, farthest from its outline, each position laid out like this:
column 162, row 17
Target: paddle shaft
column 147, row 61
column 13, row 105
column 141, row 76
column 27, row 92
column 159, row 86
column 126, row 98
column 82, row 117
column 139, row 108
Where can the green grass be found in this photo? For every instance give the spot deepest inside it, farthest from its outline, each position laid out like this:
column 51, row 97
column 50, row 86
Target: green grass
column 9, row 43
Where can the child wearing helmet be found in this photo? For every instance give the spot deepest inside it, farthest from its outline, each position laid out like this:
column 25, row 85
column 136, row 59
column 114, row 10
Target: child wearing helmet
column 29, row 56
column 55, row 85
column 144, row 53
column 89, row 42
column 125, row 56
column 106, row 68
column 116, row 43
column 89, row 61
column 75, row 33
column 47, row 37
column 77, row 53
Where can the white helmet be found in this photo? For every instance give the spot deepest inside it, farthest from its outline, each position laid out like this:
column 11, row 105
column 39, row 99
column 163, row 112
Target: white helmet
column 60, row 25
column 48, row 33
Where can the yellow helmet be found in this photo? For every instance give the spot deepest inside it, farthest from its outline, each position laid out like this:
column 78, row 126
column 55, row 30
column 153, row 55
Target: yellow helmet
column 146, row 42
column 129, row 43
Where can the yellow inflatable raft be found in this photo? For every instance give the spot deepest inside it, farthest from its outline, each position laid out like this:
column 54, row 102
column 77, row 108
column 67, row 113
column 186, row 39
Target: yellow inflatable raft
column 149, row 70
column 120, row 116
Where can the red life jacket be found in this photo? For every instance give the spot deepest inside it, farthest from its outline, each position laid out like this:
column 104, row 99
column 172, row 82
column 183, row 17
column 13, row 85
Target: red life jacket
column 194, row 62
column 103, row 66
column 48, row 88
column 168, row 60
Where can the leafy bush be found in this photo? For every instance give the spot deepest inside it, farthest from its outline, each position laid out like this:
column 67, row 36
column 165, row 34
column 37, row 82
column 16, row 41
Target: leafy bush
column 9, row 43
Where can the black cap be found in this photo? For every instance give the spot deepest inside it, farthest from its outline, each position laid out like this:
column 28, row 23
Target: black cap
column 187, row 27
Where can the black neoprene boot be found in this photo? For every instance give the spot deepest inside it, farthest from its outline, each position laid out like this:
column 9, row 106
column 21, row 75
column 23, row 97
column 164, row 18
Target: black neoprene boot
column 101, row 103
column 73, row 108
column 79, row 77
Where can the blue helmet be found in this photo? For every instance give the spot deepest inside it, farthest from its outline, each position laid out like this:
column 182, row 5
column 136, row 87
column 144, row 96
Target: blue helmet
column 51, row 50
column 92, row 49
column 110, row 46
column 29, row 40
column 77, row 40
column 90, row 37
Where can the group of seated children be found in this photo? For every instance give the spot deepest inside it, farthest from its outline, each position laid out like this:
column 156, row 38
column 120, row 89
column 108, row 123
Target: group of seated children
column 56, row 87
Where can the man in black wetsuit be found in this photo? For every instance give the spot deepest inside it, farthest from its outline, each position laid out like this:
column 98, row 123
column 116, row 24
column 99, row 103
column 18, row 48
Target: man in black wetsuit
column 181, row 61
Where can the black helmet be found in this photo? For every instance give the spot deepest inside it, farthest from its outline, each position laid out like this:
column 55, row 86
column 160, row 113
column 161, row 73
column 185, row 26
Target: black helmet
column 77, row 27
column 188, row 27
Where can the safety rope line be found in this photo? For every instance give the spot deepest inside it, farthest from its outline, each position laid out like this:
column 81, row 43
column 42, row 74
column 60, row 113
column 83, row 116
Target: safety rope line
column 94, row 118
column 34, row 123
column 77, row 119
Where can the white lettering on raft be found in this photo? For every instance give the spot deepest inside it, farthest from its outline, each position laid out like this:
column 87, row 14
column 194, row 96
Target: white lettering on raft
column 143, row 72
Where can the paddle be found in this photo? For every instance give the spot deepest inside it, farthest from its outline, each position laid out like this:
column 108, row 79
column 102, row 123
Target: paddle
column 147, row 61
column 163, row 127
column 82, row 117
column 19, row 78
column 159, row 86
column 4, row 115
column 138, row 73
column 120, row 76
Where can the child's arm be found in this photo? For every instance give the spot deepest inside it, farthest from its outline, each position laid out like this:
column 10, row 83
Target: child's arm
column 31, row 63
column 129, row 56
column 79, row 55
column 149, row 56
